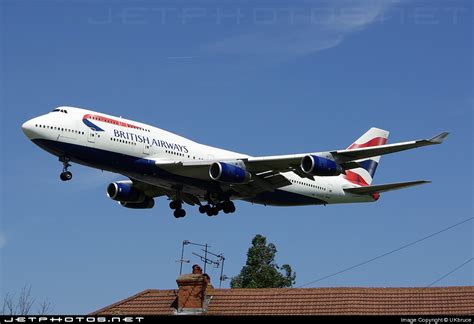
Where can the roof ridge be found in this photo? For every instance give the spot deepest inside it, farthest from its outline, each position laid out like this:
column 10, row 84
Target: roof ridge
column 344, row 288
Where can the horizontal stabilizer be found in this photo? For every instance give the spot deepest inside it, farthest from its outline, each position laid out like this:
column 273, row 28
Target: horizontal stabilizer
column 382, row 188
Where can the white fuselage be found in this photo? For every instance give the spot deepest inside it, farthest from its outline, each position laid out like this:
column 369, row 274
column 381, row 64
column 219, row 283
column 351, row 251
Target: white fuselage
column 130, row 148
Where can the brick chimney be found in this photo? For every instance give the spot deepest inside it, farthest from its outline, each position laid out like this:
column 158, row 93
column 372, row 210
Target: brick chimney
column 192, row 287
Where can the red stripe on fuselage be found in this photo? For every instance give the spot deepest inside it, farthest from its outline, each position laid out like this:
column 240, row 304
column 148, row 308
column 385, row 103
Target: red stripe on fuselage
column 373, row 142
column 110, row 121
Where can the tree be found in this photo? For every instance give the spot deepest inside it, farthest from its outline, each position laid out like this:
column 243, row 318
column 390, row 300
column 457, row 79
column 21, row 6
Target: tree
column 24, row 304
column 261, row 271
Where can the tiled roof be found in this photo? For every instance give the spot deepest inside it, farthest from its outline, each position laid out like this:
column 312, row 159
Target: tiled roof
column 310, row 301
column 148, row 302
column 327, row 301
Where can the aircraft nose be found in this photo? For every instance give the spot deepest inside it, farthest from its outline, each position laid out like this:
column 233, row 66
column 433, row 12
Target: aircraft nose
column 27, row 128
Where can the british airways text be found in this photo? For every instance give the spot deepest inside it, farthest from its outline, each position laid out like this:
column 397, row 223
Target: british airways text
column 153, row 142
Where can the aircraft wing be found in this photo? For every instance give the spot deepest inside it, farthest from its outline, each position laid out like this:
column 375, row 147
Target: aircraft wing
column 346, row 158
column 279, row 163
column 271, row 165
column 261, row 183
column 362, row 153
column 367, row 190
column 264, row 180
column 154, row 192
column 148, row 189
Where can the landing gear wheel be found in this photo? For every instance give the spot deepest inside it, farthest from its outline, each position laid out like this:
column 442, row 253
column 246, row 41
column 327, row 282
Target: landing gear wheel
column 232, row 207
column 178, row 213
column 175, row 204
column 203, row 209
column 212, row 211
column 65, row 176
column 228, row 207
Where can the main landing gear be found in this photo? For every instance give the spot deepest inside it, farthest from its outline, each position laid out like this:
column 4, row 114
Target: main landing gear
column 212, row 210
column 177, row 205
column 65, row 175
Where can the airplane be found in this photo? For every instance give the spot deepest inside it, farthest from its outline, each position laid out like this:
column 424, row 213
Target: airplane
column 158, row 163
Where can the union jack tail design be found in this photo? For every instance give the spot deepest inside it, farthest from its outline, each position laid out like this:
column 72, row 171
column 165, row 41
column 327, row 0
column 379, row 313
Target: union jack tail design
column 364, row 176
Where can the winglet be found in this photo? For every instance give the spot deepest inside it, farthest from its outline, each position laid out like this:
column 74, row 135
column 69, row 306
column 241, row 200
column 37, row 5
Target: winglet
column 438, row 139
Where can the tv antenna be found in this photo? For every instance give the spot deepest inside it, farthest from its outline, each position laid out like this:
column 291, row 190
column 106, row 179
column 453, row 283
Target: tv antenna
column 217, row 260
column 182, row 260
column 220, row 261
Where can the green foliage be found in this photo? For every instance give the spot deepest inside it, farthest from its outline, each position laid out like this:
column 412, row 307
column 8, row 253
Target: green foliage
column 261, row 271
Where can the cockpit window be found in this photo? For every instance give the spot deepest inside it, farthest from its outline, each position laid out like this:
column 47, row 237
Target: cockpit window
column 60, row 110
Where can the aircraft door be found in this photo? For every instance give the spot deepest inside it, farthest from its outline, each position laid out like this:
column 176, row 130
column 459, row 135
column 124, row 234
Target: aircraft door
column 91, row 135
column 329, row 192
column 146, row 148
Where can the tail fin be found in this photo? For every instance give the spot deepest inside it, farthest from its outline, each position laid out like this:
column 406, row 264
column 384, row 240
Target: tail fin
column 363, row 176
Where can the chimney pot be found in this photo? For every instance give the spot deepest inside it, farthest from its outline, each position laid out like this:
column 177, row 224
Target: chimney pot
column 197, row 269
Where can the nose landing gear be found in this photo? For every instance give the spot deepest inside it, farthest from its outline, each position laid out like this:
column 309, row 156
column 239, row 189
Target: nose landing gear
column 65, row 175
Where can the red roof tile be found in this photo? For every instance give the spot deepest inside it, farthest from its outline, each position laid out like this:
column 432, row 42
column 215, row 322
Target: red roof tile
column 310, row 301
column 148, row 302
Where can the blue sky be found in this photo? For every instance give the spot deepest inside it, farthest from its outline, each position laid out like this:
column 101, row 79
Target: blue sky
column 258, row 77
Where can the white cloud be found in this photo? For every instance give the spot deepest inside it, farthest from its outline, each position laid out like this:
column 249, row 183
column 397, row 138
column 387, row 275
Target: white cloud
column 305, row 30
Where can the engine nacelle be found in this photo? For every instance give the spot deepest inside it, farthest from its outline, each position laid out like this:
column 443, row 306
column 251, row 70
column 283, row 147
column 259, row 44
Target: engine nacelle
column 228, row 173
column 320, row 166
column 146, row 204
column 124, row 191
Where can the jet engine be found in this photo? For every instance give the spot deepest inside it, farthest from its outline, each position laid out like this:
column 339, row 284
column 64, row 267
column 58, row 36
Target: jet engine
column 124, row 191
column 320, row 166
column 146, row 204
column 229, row 173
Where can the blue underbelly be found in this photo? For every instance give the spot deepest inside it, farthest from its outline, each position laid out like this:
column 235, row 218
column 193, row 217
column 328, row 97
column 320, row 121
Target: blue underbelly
column 117, row 162
column 284, row 198
column 126, row 164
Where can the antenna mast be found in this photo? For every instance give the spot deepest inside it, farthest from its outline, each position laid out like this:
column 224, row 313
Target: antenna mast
column 218, row 261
